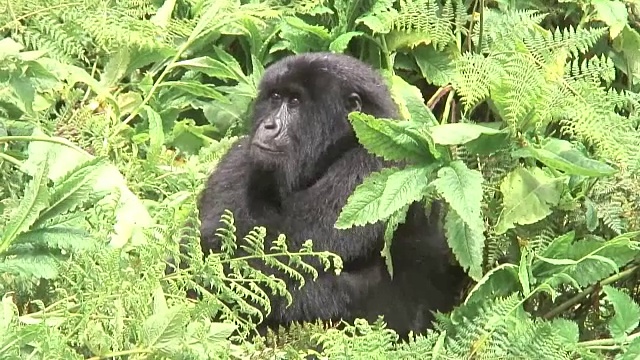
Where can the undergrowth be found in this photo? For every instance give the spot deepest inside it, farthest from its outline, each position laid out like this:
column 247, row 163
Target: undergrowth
column 522, row 117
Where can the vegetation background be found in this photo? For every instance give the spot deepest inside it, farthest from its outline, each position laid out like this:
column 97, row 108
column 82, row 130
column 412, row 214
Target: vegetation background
column 521, row 115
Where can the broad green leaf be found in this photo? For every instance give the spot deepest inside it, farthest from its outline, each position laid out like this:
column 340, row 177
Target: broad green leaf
column 591, row 216
column 197, row 89
column 9, row 47
column 461, row 187
column 631, row 351
column 208, row 66
column 436, row 66
column 131, row 214
column 612, row 13
column 561, row 155
column 341, row 42
column 466, row 242
column 489, row 144
column 586, row 261
column 459, row 133
column 496, row 283
column 627, row 312
column 410, row 102
column 392, row 139
column 162, row 18
column 24, row 92
column 156, row 131
column 393, row 222
column 406, row 39
column 527, row 197
column 36, row 198
column 362, row 204
column 116, row 67
column 382, row 194
column 163, row 330
column 316, row 30
column 40, row 266
column 566, row 329
column 73, row 190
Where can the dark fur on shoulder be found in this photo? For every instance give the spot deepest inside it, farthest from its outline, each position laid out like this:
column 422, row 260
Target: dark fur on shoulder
column 293, row 175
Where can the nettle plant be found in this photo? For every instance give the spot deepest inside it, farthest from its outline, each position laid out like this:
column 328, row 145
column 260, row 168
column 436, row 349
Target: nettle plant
column 519, row 190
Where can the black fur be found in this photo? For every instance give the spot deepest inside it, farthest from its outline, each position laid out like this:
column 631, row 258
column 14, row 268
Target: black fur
column 301, row 192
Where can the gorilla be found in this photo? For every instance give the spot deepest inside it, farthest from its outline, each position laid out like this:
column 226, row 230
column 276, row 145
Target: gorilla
column 293, row 175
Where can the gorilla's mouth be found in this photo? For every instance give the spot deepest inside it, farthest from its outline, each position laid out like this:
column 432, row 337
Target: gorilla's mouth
column 267, row 149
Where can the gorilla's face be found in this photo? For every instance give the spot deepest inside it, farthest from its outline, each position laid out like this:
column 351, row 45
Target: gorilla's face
column 277, row 110
column 299, row 116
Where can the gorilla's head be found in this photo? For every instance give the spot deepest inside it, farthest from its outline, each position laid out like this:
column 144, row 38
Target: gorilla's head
column 300, row 123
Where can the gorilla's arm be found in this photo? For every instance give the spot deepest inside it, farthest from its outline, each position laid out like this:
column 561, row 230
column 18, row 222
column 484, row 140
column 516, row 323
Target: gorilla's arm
column 312, row 213
column 227, row 188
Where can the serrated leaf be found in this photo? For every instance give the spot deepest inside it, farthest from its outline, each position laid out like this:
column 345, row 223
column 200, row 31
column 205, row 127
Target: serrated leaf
column 582, row 262
column 156, row 131
column 116, row 67
column 392, row 139
column 208, row 66
column 496, row 283
column 9, row 47
column 24, row 93
column 461, row 187
column 561, row 155
column 36, row 198
column 591, row 216
column 341, row 42
column 162, row 18
column 612, row 13
column 527, row 197
column 410, row 102
column 57, row 237
column 631, row 351
column 131, row 214
column 163, row 330
column 196, row 89
column 393, row 222
column 72, row 190
column 317, row 30
column 466, row 242
column 436, row 66
column 402, row 39
column 383, row 193
column 627, row 312
column 459, row 133
column 41, row 266
column 566, row 329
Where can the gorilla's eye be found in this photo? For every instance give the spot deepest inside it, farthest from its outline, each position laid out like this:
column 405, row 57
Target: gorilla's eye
column 276, row 96
column 295, row 101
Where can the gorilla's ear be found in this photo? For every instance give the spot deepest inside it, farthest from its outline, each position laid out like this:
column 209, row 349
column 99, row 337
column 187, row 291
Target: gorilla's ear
column 355, row 102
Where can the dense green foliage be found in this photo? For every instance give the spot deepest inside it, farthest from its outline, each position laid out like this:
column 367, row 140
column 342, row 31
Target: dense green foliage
column 522, row 116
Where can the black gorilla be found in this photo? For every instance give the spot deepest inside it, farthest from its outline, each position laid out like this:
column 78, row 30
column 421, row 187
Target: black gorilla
column 293, row 175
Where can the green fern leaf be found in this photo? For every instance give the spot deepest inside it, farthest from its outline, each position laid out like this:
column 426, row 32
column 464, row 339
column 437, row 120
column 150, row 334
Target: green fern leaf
column 382, row 194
